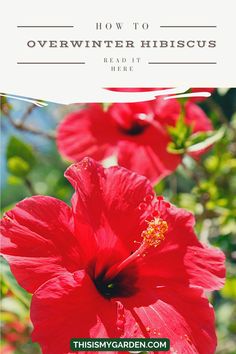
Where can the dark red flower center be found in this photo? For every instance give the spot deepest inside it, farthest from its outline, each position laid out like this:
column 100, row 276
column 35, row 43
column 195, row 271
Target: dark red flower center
column 137, row 125
column 135, row 129
column 132, row 119
column 121, row 285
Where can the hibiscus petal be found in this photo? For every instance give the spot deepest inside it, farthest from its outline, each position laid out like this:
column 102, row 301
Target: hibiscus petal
column 181, row 258
column 205, row 266
column 88, row 132
column 181, row 314
column 67, row 307
column 108, row 200
column 167, row 110
column 196, row 117
column 148, row 155
column 37, row 240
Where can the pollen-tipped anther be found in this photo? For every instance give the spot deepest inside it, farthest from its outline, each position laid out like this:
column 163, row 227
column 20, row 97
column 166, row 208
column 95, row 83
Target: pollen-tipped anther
column 155, row 232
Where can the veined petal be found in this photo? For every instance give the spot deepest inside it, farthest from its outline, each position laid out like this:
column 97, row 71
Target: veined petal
column 181, row 314
column 88, row 132
column 38, row 240
column 106, row 202
column 67, row 307
column 181, row 258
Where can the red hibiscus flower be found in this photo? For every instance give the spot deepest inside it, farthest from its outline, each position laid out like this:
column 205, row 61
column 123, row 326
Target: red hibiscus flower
column 120, row 262
column 136, row 132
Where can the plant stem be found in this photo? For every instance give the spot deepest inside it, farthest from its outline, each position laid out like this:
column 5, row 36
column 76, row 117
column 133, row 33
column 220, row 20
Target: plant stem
column 27, row 113
column 28, row 128
column 30, row 186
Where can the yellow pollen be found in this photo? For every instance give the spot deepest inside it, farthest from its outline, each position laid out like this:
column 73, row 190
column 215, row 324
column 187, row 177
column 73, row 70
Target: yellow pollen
column 155, row 232
column 152, row 236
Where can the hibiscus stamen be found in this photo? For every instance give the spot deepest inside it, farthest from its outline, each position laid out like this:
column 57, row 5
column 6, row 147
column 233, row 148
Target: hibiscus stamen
column 155, row 232
column 152, row 236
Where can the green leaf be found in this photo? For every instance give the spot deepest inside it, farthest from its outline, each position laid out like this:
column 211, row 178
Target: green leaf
column 8, row 317
column 20, row 157
column 171, row 148
column 14, row 180
column 203, row 140
column 229, row 290
column 12, row 284
column 179, row 134
column 13, row 305
column 18, row 167
column 212, row 163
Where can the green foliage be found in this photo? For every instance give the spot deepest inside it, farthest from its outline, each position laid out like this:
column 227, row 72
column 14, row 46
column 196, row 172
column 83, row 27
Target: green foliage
column 13, row 180
column 18, row 167
column 20, row 157
column 9, row 281
column 184, row 141
column 180, row 135
column 229, row 290
column 203, row 140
